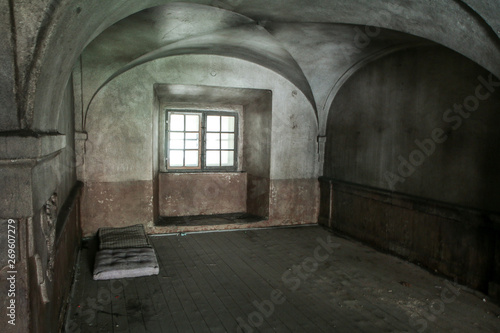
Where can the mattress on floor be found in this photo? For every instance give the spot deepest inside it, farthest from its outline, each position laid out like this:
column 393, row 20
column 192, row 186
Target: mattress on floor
column 124, row 253
column 118, row 238
column 125, row 263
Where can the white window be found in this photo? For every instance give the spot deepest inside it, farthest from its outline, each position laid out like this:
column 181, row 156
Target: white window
column 204, row 141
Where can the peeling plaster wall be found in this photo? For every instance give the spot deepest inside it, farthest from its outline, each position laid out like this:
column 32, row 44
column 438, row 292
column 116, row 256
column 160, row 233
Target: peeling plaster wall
column 9, row 115
column 382, row 111
column 391, row 184
column 44, row 163
column 119, row 126
column 155, row 152
column 116, row 204
column 188, row 194
column 53, row 253
column 338, row 48
column 257, row 154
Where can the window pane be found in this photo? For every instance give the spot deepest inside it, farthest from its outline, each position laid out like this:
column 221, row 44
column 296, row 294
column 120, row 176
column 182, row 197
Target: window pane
column 227, row 158
column 227, row 124
column 213, row 158
column 177, row 122
column 192, row 140
column 176, row 141
column 227, row 141
column 213, row 123
column 192, row 158
column 176, row 158
column 193, row 123
column 185, row 145
column 213, row 141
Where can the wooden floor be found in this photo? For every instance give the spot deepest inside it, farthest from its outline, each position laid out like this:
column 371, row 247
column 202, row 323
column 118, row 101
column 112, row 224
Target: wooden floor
column 281, row 280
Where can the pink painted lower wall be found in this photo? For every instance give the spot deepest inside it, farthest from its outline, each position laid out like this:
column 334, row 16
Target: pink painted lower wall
column 116, row 205
column 294, row 200
column 288, row 201
column 186, row 194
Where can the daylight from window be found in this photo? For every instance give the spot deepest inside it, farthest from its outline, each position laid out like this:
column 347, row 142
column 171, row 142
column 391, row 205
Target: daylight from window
column 185, row 150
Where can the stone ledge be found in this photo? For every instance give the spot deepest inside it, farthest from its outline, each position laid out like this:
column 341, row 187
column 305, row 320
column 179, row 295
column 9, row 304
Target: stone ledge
column 16, row 147
column 83, row 136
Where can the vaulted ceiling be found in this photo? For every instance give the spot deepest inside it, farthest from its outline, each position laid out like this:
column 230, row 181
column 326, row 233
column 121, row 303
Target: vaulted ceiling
column 311, row 43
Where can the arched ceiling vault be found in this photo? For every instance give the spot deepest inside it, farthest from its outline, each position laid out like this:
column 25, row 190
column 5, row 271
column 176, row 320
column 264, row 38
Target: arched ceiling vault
column 164, row 31
column 470, row 27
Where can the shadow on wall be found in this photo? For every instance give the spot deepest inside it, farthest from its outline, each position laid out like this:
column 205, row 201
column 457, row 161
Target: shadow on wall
column 412, row 141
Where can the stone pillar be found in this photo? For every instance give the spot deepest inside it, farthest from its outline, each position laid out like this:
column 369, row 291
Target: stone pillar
column 28, row 164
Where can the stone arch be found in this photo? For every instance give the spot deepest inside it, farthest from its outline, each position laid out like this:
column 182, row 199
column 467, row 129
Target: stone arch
column 326, row 108
column 59, row 44
column 249, row 43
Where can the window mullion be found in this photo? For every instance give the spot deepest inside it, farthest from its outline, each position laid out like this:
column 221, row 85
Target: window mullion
column 220, row 145
column 220, row 141
column 184, row 143
column 203, row 140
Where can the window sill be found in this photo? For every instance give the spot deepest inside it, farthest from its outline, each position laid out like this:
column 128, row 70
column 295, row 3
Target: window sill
column 200, row 172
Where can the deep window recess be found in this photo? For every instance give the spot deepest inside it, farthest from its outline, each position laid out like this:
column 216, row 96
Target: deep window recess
column 204, row 141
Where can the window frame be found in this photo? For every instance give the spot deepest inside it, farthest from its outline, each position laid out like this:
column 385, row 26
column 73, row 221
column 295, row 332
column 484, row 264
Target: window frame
column 167, row 137
column 202, row 142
